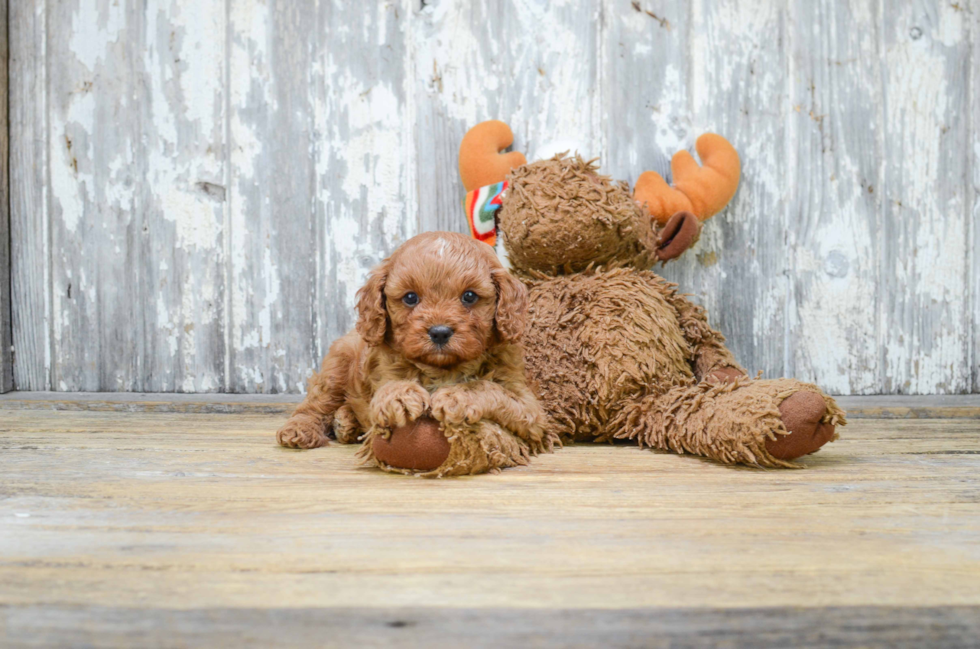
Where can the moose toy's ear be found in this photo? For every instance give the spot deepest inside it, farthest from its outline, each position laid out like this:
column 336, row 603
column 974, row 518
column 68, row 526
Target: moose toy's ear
column 680, row 233
column 372, row 318
column 704, row 190
column 481, row 162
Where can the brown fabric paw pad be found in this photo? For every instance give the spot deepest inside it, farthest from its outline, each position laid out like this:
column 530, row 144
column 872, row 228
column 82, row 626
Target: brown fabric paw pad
column 801, row 414
column 418, row 446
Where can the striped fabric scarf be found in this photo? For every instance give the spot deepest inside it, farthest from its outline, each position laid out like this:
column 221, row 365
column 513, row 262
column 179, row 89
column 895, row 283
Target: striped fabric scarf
column 481, row 207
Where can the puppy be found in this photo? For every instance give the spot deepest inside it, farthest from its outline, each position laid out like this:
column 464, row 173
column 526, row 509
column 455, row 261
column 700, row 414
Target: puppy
column 432, row 378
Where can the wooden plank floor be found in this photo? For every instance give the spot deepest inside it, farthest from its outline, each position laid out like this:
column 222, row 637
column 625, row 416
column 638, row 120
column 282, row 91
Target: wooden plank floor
column 122, row 528
column 958, row 406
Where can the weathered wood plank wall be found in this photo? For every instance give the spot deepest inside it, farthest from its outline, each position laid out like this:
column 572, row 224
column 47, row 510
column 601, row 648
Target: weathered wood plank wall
column 6, row 341
column 198, row 187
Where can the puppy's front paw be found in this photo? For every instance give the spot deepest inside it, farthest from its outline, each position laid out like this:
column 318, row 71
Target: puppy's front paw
column 453, row 405
column 302, row 431
column 398, row 403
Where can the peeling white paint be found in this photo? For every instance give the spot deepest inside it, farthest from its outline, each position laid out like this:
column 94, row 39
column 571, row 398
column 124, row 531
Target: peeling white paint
column 369, row 150
column 72, row 183
column 271, row 299
column 932, row 250
column 179, row 155
column 537, row 84
column 94, row 27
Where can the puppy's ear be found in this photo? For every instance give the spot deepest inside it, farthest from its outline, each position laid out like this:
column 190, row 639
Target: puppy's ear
column 372, row 318
column 511, row 315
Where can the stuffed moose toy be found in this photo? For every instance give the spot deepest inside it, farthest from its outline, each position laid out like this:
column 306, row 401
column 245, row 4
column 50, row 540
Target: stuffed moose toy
column 613, row 350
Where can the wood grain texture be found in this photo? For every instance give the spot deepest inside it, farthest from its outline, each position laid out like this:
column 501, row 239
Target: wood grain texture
column 320, row 186
column 925, row 233
column 532, row 64
column 95, row 99
column 272, row 178
column 6, row 331
column 199, row 187
column 738, row 85
column 864, row 627
column 974, row 221
column 365, row 204
column 646, row 88
column 135, row 146
column 184, row 163
column 29, row 282
column 959, row 406
column 835, row 184
column 158, row 513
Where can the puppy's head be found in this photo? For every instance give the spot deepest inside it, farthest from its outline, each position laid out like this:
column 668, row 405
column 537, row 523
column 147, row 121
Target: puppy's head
column 441, row 299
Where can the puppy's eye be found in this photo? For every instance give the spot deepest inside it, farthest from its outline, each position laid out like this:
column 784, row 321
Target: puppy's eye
column 469, row 297
column 410, row 299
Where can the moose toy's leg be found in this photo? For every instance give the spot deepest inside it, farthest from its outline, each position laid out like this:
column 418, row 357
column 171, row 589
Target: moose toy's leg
column 761, row 423
column 805, row 416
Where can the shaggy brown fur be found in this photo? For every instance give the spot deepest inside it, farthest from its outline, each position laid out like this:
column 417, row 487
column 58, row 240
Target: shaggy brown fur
column 390, row 371
column 615, row 350
column 561, row 214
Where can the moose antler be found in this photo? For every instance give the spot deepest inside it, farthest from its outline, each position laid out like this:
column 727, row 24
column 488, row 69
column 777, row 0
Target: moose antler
column 702, row 190
column 480, row 159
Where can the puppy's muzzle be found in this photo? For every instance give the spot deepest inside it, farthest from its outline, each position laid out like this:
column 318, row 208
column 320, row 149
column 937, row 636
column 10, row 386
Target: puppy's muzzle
column 440, row 335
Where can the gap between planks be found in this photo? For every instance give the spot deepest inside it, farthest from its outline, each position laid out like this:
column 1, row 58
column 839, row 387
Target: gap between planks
column 966, row 406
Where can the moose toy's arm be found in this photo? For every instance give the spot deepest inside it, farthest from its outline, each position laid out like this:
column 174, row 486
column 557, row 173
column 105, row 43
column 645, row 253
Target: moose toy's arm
column 698, row 193
column 712, row 360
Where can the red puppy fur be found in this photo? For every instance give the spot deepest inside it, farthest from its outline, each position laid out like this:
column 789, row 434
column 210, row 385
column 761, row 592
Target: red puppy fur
column 437, row 336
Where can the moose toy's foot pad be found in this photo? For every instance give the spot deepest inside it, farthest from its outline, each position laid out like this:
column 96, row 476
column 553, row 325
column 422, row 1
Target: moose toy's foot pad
column 801, row 414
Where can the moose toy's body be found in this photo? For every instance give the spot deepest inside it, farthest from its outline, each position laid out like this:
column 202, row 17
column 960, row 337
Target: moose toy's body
column 613, row 349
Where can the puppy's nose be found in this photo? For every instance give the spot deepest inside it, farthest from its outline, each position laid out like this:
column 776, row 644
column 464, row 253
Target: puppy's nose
column 440, row 334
